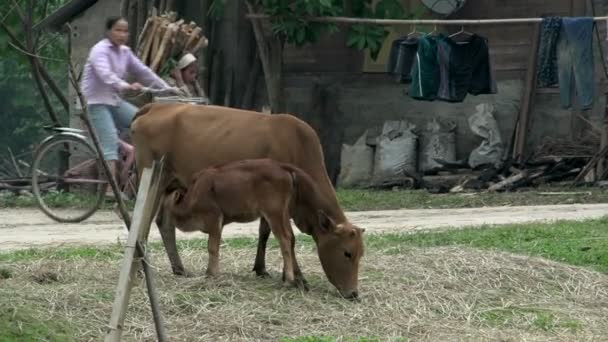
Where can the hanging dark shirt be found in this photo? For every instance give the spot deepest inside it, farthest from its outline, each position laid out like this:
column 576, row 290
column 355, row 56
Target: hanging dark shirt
column 401, row 58
column 468, row 68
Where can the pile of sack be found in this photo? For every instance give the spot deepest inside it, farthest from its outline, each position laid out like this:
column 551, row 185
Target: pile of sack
column 401, row 151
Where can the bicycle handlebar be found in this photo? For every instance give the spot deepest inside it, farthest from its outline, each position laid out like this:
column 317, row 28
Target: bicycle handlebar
column 156, row 91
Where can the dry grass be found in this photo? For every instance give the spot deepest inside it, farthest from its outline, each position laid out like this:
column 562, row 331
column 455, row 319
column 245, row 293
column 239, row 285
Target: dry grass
column 442, row 293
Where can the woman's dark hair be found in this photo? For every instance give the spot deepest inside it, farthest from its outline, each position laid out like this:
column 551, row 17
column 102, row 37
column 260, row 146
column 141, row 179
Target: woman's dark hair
column 111, row 21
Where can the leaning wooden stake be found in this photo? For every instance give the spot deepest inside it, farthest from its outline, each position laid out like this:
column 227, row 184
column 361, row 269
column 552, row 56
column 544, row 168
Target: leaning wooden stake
column 152, row 294
column 140, row 228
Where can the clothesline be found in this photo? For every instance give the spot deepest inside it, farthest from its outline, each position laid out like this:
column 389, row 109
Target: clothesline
column 419, row 21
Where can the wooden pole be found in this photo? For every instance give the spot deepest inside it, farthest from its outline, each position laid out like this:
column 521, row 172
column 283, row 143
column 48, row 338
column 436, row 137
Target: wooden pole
column 528, row 93
column 372, row 21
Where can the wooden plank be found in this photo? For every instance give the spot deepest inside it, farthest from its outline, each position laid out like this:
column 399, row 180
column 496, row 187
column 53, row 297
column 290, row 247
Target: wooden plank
column 142, row 213
column 527, row 97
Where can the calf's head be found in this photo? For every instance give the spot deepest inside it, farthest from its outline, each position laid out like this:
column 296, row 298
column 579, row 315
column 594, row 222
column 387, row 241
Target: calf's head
column 340, row 248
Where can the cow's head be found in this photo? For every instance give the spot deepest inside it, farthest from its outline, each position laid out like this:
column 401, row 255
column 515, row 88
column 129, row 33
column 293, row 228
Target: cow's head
column 340, row 248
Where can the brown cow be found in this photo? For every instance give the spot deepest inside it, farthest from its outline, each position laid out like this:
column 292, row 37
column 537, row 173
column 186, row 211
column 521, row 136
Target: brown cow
column 247, row 190
column 193, row 138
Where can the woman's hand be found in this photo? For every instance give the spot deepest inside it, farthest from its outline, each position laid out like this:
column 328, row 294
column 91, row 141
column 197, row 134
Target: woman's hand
column 135, row 86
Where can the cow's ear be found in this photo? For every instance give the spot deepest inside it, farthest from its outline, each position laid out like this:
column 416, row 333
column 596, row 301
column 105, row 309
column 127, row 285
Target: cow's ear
column 326, row 224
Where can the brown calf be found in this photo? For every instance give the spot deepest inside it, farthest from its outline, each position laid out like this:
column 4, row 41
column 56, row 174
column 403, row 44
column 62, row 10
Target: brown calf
column 247, row 190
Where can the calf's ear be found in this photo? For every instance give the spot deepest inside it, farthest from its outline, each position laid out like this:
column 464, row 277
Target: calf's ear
column 326, row 224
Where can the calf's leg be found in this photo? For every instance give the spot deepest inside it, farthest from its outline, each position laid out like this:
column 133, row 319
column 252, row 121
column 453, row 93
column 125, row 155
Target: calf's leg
column 299, row 276
column 214, row 226
column 277, row 227
column 260, row 257
column 167, row 232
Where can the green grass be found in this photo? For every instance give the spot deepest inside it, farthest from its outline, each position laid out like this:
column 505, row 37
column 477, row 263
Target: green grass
column 578, row 243
column 581, row 243
column 22, row 324
column 540, row 319
column 57, row 200
column 357, row 200
column 332, row 339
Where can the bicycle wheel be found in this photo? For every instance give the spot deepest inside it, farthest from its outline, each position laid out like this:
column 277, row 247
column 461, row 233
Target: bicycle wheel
column 68, row 181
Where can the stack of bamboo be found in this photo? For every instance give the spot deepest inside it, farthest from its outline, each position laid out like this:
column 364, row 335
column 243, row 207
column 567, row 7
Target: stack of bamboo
column 164, row 37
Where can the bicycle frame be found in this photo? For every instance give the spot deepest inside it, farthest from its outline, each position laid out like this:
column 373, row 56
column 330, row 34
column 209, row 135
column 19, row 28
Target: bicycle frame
column 125, row 149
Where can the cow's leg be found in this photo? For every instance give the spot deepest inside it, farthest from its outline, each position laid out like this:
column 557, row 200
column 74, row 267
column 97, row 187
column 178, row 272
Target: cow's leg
column 167, row 233
column 300, row 280
column 260, row 258
column 214, row 226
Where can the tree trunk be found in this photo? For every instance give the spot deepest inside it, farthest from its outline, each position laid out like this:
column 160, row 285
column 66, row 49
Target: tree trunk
column 252, row 82
column 326, row 119
column 270, row 49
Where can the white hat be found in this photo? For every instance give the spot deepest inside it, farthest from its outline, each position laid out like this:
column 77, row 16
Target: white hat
column 186, row 60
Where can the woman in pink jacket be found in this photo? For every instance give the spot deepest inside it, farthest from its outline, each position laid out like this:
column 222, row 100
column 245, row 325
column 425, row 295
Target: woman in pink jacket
column 103, row 80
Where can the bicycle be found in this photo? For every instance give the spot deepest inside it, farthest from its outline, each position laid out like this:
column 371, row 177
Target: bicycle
column 72, row 194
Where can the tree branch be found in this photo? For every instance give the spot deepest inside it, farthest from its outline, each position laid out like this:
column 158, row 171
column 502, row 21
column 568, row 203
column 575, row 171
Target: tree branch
column 44, row 14
column 45, row 96
column 19, row 10
column 35, row 63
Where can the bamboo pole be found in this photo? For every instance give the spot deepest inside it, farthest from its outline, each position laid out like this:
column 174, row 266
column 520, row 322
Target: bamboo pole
column 418, row 21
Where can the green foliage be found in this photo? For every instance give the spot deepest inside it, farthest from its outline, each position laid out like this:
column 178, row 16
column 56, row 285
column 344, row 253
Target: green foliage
column 22, row 111
column 366, row 36
column 289, row 19
column 216, row 9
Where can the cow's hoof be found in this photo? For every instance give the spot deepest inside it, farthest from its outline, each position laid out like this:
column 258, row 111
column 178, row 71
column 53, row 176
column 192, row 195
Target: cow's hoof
column 262, row 273
column 302, row 283
column 211, row 274
column 182, row 273
column 296, row 283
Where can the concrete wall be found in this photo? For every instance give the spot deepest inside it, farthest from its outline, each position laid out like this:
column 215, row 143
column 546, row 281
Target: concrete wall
column 365, row 101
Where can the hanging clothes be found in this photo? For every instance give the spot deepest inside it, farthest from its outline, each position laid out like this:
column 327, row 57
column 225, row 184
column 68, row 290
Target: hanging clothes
column 547, row 52
column 401, row 58
column 576, row 69
column 425, row 72
column 465, row 68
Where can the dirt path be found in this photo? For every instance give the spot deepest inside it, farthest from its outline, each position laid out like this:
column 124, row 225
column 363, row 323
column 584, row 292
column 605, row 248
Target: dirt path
column 24, row 228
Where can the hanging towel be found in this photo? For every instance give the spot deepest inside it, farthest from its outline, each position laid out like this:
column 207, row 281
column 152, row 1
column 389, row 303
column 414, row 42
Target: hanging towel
column 576, row 69
column 547, row 52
